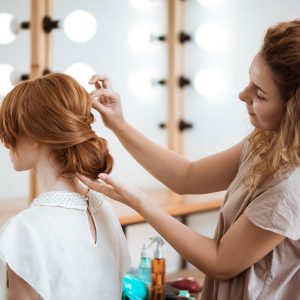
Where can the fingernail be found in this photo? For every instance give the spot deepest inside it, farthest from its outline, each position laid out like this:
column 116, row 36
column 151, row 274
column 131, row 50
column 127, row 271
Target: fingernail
column 102, row 176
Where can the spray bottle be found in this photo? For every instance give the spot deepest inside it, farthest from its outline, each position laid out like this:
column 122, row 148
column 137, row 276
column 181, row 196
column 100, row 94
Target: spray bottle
column 158, row 264
column 144, row 270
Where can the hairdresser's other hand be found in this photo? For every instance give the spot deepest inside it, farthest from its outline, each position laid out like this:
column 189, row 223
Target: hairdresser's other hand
column 106, row 101
column 110, row 187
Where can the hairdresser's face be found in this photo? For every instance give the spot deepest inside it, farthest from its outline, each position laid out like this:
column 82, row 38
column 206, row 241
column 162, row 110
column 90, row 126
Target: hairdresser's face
column 25, row 156
column 264, row 103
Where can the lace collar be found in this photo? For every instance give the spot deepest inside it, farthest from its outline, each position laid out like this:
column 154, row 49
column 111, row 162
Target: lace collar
column 69, row 200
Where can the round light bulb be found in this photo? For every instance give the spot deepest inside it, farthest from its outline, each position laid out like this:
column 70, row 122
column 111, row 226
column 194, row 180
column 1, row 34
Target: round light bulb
column 6, row 25
column 211, row 3
column 139, row 39
column 80, row 26
column 82, row 73
column 6, row 73
column 140, row 83
column 212, row 37
column 210, row 82
column 142, row 4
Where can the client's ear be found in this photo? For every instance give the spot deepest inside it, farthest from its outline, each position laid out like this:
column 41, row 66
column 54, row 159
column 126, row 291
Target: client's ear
column 36, row 145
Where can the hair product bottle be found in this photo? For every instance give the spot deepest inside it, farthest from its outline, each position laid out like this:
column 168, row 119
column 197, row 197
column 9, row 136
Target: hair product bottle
column 158, row 264
column 144, row 270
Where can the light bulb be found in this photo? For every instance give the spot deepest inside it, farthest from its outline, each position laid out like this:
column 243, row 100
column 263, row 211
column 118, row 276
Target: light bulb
column 210, row 82
column 6, row 73
column 82, row 73
column 7, row 34
column 141, row 83
column 212, row 37
column 211, row 3
column 80, row 26
column 139, row 39
column 142, row 4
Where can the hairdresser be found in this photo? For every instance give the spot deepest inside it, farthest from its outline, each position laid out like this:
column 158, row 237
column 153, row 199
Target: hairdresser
column 255, row 252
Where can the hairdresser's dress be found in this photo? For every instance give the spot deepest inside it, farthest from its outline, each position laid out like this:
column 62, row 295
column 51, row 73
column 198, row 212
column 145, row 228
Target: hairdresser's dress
column 51, row 247
column 275, row 207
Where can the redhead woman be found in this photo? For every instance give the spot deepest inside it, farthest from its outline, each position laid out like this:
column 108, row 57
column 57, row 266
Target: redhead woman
column 68, row 244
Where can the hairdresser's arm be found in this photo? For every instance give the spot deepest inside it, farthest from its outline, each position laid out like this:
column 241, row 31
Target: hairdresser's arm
column 19, row 289
column 210, row 174
column 243, row 245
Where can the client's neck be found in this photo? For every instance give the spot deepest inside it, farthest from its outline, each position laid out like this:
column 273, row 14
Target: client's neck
column 50, row 179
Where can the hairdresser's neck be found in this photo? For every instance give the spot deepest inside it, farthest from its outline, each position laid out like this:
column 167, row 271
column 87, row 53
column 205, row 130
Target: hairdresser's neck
column 49, row 179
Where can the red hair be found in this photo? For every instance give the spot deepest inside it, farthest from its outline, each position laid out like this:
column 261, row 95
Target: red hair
column 55, row 110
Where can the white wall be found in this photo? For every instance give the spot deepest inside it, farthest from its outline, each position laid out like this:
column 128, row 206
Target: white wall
column 13, row 184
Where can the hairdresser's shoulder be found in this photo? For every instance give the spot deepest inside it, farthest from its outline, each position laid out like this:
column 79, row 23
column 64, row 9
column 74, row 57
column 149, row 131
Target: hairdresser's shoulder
column 293, row 179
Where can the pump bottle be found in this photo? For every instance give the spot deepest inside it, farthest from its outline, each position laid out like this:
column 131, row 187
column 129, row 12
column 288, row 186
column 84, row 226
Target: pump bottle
column 144, row 270
column 158, row 264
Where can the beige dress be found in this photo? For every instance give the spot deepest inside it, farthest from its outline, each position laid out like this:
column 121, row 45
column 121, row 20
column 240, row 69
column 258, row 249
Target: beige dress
column 275, row 206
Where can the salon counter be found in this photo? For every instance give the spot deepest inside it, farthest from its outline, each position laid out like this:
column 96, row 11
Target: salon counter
column 175, row 205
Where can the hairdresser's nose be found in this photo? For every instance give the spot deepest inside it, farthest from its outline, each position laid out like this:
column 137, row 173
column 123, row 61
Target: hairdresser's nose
column 245, row 94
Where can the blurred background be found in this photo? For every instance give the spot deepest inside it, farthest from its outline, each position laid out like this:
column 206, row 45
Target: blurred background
column 130, row 41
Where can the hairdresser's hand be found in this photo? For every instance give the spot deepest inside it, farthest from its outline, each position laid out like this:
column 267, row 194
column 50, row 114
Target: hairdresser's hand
column 108, row 186
column 106, row 101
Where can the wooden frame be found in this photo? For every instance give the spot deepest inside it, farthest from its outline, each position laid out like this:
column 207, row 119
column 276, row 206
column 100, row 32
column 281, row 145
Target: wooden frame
column 40, row 59
column 176, row 12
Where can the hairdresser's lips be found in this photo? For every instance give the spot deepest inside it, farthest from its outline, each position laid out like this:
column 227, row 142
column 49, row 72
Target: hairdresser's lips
column 251, row 114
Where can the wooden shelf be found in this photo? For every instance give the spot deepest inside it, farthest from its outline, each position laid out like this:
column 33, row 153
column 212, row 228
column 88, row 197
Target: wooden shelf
column 179, row 207
column 173, row 204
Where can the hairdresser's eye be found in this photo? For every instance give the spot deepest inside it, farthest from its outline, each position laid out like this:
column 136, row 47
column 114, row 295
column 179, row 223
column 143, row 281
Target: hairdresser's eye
column 260, row 97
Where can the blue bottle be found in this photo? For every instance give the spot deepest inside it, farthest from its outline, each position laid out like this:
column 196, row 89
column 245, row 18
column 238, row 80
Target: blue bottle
column 133, row 288
column 144, row 270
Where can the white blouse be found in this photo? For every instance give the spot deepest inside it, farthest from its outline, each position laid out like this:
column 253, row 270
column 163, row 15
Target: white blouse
column 51, row 247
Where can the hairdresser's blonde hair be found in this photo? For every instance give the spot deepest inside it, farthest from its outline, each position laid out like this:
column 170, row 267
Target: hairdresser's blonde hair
column 55, row 110
column 279, row 152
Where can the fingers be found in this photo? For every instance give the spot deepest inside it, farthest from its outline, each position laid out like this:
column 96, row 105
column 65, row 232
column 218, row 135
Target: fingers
column 101, row 92
column 98, row 106
column 95, row 185
column 87, row 181
column 108, row 180
column 103, row 78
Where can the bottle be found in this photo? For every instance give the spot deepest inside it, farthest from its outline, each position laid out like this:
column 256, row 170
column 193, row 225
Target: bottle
column 133, row 288
column 144, row 270
column 158, row 264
